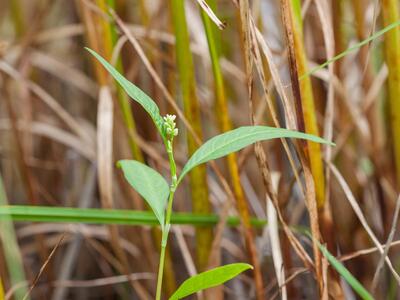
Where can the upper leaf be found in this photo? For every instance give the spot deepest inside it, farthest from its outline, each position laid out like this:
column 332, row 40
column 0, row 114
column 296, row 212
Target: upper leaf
column 134, row 92
column 149, row 184
column 239, row 138
column 209, row 279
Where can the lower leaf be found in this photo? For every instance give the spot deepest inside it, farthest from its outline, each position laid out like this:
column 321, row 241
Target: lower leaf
column 209, row 279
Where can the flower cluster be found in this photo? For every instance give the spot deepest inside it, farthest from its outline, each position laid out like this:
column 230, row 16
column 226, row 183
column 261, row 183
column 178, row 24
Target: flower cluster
column 169, row 126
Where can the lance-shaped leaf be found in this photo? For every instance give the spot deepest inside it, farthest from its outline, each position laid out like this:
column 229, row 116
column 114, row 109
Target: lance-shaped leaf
column 239, row 138
column 134, row 92
column 149, row 184
column 209, row 279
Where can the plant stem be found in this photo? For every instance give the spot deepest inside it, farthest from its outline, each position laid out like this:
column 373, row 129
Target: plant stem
column 162, row 260
column 166, row 227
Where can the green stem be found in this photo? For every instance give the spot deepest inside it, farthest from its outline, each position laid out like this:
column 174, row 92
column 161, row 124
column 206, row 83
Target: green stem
column 166, row 227
column 162, row 259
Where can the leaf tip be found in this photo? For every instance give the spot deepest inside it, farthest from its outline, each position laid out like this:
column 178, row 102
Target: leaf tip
column 119, row 163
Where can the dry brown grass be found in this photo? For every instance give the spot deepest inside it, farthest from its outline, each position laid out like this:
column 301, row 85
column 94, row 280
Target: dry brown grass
column 64, row 123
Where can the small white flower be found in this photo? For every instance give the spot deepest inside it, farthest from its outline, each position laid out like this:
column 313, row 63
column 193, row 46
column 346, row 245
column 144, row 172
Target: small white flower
column 169, row 118
column 169, row 125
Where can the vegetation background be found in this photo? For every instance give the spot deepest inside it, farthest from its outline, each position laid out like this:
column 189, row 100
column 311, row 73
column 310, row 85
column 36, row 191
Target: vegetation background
column 217, row 65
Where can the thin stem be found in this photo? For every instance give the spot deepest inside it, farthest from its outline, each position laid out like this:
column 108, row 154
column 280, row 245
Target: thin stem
column 165, row 229
column 162, row 254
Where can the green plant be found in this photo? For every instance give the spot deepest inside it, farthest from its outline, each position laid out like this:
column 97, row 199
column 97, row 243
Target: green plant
column 160, row 195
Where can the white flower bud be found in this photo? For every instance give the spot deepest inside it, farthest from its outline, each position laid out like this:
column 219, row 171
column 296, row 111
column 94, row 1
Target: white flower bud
column 169, row 125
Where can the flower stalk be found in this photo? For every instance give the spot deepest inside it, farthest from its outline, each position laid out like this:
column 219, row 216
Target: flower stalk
column 170, row 131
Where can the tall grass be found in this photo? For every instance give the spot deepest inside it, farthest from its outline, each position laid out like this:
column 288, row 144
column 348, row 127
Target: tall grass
column 390, row 14
column 198, row 180
column 64, row 123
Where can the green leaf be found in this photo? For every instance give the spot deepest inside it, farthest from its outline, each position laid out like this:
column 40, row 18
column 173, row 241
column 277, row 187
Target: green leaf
column 149, row 184
column 30, row 213
column 239, row 138
column 350, row 279
column 134, row 92
column 209, row 279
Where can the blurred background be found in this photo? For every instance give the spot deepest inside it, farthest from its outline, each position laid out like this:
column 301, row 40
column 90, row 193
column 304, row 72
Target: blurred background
column 217, row 65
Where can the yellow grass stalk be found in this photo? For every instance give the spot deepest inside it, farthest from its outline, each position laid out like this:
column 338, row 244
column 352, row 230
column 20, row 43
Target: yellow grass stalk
column 308, row 106
column 311, row 158
column 225, row 124
column 1, row 289
column 390, row 14
column 198, row 180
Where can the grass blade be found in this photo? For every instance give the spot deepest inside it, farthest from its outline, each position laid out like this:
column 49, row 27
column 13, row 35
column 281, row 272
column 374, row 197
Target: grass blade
column 29, row 213
column 11, row 250
column 341, row 269
column 352, row 48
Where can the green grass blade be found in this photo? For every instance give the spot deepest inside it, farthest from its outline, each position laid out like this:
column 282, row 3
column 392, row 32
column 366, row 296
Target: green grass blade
column 11, row 249
column 108, row 216
column 350, row 279
column 134, row 92
column 352, row 48
column 209, row 279
column 239, row 138
column 149, row 184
